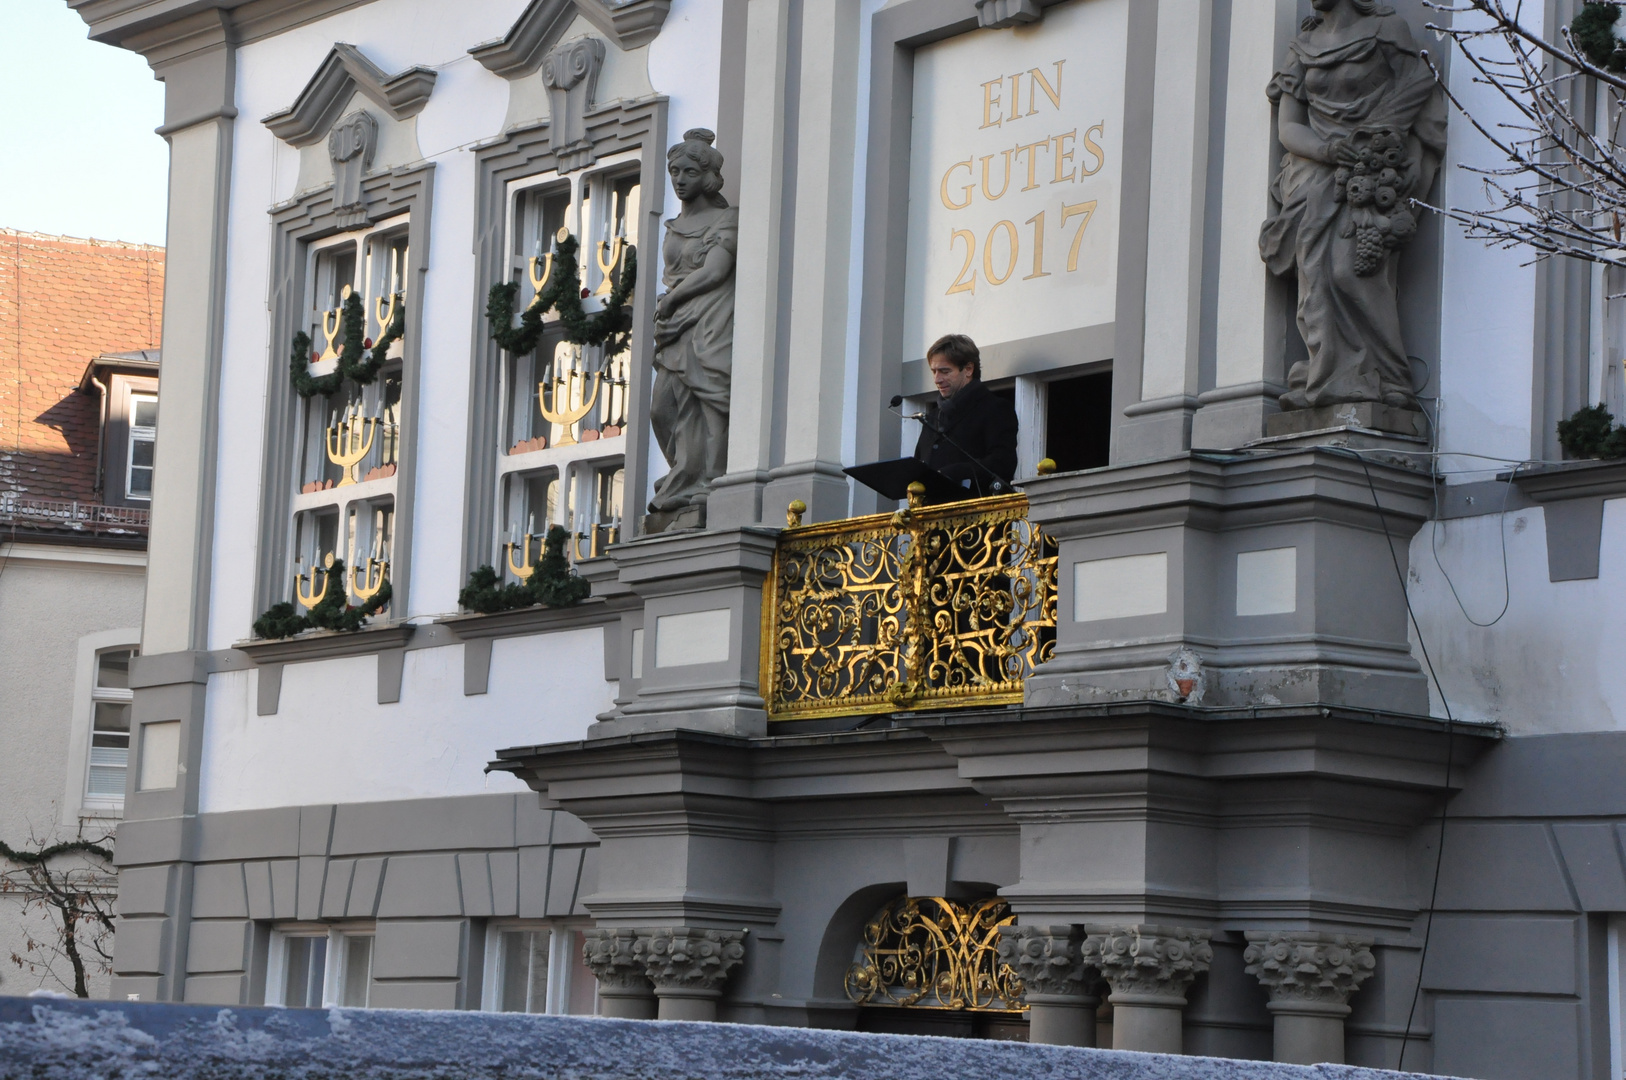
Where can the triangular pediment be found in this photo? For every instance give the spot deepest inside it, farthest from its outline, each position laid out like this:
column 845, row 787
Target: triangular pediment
column 344, row 72
column 519, row 53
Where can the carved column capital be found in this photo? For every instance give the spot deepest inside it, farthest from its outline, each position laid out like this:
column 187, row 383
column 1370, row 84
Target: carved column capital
column 1147, row 964
column 610, row 953
column 1309, row 972
column 1050, row 960
column 684, row 960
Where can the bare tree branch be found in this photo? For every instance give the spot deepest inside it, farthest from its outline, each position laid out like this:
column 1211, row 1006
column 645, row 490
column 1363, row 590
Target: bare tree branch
column 73, row 885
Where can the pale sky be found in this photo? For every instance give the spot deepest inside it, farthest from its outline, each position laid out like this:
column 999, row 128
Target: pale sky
column 77, row 151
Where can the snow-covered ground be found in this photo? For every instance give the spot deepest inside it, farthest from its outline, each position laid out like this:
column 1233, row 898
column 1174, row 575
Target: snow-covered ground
column 73, row 1040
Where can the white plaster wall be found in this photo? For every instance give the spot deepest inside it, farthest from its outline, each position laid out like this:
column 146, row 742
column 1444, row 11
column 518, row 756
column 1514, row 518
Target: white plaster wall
column 1552, row 662
column 46, row 606
column 331, row 742
column 1487, row 321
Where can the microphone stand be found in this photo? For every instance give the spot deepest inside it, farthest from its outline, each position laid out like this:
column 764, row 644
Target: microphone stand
column 997, row 486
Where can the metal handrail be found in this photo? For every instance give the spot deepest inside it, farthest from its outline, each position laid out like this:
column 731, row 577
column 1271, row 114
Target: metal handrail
column 929, row 607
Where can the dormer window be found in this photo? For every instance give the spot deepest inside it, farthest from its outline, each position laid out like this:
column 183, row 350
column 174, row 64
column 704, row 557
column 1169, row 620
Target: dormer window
column 143, row 438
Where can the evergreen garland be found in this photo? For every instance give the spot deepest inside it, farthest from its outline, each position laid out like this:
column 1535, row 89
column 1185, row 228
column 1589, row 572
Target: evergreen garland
column 1593, row 34
column 47, row 853
column 1591, row 432
column 611, row 327
column 361, row 371
column 333, row 612
column 552, row 583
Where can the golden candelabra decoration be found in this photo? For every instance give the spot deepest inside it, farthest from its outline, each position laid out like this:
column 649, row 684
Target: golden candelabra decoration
column 539, row 281
column 929, row 607
column 525, row 567
column 366, row 580
column 610, row 534
column 616, row 247
column 572, row 385
column 332, row 323
column 308, row 600
column 350, row 441
column 930, row 953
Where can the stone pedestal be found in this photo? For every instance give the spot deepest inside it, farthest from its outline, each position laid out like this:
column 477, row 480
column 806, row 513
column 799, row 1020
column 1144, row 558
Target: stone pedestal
column 624, row 990
column 1362, row 414
column 1050, row 959
column 1233, row 581
column 1310, row 977
column 694, row 665
column 1149, row 969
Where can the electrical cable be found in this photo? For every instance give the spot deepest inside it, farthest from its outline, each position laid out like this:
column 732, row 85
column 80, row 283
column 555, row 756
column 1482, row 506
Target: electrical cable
column 1450, row 745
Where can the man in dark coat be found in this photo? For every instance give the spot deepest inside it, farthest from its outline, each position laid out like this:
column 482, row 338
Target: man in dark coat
column 968, row 424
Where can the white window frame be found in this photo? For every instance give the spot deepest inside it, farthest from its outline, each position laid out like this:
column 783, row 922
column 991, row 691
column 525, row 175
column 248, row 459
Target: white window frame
column 561, row 949
column 574, row 465
column 136, row 434
column 334, row 962
column 355, row 504
column 89, row 649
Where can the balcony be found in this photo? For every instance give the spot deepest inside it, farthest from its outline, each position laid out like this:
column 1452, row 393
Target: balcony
column 73, row 516
column 927, row 608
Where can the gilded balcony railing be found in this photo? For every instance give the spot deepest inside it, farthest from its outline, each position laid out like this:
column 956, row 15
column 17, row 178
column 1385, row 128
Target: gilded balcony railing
column 929, row 607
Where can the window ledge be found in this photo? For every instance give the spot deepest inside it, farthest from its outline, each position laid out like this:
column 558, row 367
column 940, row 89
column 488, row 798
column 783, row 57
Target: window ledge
column 327, row 644
column 594, row 611
column 1572, row 480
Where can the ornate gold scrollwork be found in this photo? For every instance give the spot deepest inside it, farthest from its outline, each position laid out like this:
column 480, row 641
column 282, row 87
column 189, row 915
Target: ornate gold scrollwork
column 926, row 952
column 930, row 607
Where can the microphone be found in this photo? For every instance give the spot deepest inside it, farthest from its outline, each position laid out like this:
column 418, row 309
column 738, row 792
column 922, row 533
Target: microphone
column 897, row 399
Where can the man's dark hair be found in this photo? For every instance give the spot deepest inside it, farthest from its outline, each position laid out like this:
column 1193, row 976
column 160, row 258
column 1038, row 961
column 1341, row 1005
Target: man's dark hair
column 958, row 350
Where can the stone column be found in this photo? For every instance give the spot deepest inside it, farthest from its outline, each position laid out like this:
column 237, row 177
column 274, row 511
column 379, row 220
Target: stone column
column 1310, row 977
column 624, row 991
column 688, row 967
column 1051, row 961
column 1148, row 968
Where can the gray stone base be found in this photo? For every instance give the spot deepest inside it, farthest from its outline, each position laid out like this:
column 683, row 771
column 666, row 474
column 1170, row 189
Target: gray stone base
column 663, row 521
column 1369, row 415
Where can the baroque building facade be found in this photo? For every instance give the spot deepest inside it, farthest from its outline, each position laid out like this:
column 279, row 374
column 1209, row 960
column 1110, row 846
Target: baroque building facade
column 1223, row 749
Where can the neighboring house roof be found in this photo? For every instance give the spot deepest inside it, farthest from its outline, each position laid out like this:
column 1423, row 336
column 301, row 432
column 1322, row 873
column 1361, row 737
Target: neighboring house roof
column 68, row 306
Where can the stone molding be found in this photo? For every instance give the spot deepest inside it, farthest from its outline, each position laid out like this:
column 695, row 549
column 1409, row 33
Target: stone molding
column 611, row 954
column 519, row 52
column 1050, row 959
column 342, row 73
column 689, row 961
column 1309, row 972
column 1148, row 964
column 998, row 14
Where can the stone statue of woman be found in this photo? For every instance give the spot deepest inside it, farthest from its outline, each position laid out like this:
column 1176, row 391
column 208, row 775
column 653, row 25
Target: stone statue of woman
column 1363, row 124
column 694, row 335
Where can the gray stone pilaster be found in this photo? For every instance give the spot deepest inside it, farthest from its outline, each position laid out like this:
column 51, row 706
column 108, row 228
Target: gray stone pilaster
column 1058, row 980
column 624, row 990
column 688, row 967
column 1310, row 977
column 1149, row 968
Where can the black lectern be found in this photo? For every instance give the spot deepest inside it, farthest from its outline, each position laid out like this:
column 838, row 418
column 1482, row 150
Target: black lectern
column 892, row 479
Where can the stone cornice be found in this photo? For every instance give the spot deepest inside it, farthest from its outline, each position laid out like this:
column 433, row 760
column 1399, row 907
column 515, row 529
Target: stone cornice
column 594, row 611
column 519, row 53
column 1571, row 480
column 327, row 644
column 344, row 71
column 163, row 29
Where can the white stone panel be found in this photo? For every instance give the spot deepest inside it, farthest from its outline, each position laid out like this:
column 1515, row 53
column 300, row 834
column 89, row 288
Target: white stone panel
column 1040, row 110
column 160, row 755
column 693, row 637
column 1267, row 581
column 1121, row 588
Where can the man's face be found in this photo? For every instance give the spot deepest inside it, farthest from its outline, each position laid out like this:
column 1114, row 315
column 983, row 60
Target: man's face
column 948, row 378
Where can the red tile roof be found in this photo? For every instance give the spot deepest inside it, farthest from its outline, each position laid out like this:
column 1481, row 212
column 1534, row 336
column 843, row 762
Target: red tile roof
column 63, row 302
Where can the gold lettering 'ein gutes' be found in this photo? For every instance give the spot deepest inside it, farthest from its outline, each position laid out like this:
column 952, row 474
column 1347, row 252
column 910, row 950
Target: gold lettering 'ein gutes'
column 1060, row 158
